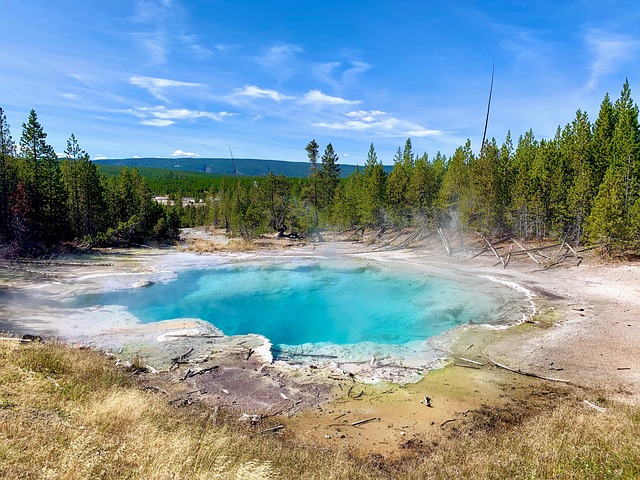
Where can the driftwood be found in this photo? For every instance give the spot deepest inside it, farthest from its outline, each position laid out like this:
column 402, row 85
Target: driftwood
column 12, row 339
column 273, row 429
column 475, row 367
column 183, row 357
column 492, row 249
column 528, row 374
column 192, row 373
column 362, row 422
column 594, row 406
column 448, row 421
column 525, row 250
column 471, row 361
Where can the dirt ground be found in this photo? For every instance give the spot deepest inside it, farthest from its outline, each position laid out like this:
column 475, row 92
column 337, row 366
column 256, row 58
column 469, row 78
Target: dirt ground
column 585, row 336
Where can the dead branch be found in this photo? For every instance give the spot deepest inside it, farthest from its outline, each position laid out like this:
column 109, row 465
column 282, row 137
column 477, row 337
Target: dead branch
column 492, row 249
column 525, row 250
column 527, row 374
column 273, row 429
column 472, row 361
column 447, row 421
column 192, row 373
column 184, row 356
column 361, row 422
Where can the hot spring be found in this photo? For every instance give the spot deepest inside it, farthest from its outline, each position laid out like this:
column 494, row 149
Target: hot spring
column 341, row 309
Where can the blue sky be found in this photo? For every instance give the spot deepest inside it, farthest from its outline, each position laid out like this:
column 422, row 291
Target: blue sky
column 176, row 77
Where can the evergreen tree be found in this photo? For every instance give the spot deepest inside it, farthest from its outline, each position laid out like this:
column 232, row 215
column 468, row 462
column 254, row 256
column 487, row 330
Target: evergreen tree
column 374, row 179
column 611, row 223
column 601, row 140
column 44, row 183
column 523, row 189
column 7, row 153
column 577, row 148
column 454, row 186
column 398, row 189
column 312, row 192
column 481, row 208
column 329, row 175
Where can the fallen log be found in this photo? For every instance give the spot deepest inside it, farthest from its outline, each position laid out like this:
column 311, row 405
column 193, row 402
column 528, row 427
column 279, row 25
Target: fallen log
column 362, row 422
column 525, row 250
column 192, row 373
column 182, row 357
column 273, row 429
column 527, row 374
column 448, row 421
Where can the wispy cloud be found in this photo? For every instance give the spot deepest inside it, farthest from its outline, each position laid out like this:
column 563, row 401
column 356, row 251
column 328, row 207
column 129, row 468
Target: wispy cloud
column 157, row 86
column 163, row 117
column 317, row 97
column 252, row 91
column 610, row 51
column 340, row 74
column 182, row 153
column 280, row 60
column 380, row 123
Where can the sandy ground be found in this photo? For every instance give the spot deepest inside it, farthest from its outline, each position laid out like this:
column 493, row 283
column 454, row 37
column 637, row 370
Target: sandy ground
column 586, row 331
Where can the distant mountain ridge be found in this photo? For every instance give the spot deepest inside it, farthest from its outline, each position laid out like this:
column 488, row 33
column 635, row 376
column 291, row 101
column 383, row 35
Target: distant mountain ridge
column 246, row 167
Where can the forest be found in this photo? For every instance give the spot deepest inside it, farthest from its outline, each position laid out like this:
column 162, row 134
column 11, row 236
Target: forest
column 582, row 186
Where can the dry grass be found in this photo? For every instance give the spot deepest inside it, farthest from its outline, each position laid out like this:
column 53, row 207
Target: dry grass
column 67, row 413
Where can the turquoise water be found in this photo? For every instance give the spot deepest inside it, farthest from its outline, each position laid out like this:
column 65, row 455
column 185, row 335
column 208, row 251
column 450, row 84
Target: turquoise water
column 301, row 304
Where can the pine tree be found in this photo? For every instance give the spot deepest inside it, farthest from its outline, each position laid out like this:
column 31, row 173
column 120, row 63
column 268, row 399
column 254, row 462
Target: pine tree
column 601, row 140
column 312, row 193
column 454, row 186
column 44, row 183
column 329, row 175
column 577, row 148
column 523, row 188
column 7, row 153
column 373, row 189
column 398, row 189
column 611, row 223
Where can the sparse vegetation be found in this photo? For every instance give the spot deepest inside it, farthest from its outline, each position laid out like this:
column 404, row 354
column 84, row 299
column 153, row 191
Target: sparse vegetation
column 69, row 413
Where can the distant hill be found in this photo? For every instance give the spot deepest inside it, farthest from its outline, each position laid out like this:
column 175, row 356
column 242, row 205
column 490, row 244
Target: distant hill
column 246, row 167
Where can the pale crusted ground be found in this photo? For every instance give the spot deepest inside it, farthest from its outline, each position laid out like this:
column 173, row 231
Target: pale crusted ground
column 587, row 333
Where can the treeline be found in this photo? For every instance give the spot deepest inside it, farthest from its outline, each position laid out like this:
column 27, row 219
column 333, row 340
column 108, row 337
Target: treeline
column 582, row 186
column 45, row 201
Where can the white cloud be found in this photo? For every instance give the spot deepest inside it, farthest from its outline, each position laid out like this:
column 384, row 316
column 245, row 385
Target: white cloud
column 156, row 122
column 378, row 121
column 252, row 91
column 366, row 115
column 610, row 51
column 340, row 74
column 100, row 157
column 156, row 86
column 279, row 53
column 316, row 96
column 163, row 117
column 182, row 153
column 70, row 96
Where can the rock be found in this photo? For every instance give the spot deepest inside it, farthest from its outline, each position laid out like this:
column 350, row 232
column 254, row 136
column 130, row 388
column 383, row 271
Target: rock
column 143, row 284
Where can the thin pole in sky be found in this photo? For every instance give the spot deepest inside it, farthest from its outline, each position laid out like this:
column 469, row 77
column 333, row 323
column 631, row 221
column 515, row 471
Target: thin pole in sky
column 233, row 163
column 486, row 122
